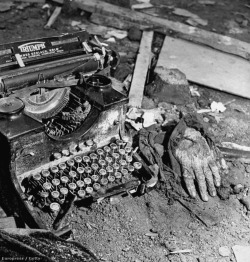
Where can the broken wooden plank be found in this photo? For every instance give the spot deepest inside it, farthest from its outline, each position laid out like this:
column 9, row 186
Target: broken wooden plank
column 214, row 40
column 141, row 69
column 205, row 66
column 53, row 17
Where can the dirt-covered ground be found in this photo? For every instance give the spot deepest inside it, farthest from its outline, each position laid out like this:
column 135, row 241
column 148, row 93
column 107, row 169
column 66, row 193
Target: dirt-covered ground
column 147, row 228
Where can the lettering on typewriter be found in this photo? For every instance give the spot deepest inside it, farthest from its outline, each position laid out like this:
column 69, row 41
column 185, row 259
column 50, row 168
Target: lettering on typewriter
column 31, row 47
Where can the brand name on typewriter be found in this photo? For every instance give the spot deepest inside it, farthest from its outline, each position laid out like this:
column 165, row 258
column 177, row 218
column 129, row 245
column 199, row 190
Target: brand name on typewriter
column 33, row 46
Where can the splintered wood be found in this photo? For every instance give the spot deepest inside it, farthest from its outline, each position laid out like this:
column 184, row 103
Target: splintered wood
column 206, row 66
column 141, row 69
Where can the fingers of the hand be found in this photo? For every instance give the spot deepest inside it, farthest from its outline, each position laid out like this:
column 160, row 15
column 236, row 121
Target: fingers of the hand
column 210, row 181
column 200, row 179
column 189, row 181
column 216, row 174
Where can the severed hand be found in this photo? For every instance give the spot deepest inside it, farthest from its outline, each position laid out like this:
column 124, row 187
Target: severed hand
column 198, row 164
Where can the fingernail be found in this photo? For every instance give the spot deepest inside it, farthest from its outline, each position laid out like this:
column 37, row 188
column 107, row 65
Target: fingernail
column 214, row 194
column 193, row 194
column 205, row 198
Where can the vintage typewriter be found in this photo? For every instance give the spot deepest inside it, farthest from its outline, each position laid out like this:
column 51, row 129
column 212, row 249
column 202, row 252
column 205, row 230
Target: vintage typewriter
column 60, row 125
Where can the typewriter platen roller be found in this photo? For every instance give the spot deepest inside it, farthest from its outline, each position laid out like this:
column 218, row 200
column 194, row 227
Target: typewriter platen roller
column 60, row 117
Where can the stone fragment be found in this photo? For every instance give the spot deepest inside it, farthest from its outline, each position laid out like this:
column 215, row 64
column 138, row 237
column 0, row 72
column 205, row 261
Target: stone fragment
column 224, row 251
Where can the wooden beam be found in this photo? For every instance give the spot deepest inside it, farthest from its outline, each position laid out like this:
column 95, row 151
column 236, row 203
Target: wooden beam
column 214, row 40
column 7, row 222
column 143, row 61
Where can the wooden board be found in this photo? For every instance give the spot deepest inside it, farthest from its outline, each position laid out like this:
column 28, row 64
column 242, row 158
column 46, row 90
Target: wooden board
column 142, row 20
column 206, row 66
column 141, row 69
column 7, row 222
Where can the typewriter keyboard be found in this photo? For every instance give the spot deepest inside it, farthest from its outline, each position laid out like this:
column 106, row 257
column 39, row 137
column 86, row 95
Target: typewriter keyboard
column 82, row 175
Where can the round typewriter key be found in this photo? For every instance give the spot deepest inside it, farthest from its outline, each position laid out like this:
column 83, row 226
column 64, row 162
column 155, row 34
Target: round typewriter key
column 96, row 186
column 55, row 194
column 109, row 160
column 56, row 182
column 64, row 191
column 54, row 169
column 72, row 186
column 80, row 170
column 95, row 178
column 70, row 162
column 131, row 168
column 57, row 156
column 111, row 179
column 110, row 170
column 47, row 186
column 125, row 173
column 122, row 152
column 107, row 150
column 137, row 165
column 100, row 153
column 86, row 159
column 128, row 149
column 116, row 167
column 116, row 156
column 104, row 181
column 123, row 163
column 129, row 159
column 93, row 157
column 88, row 170
column 118, row 175
column 37, row 177
column 119, row 143
column 113, row 147
column 89, row 142
column 102, row 163
column 102, row 172
column 89, row 190
column 62, row 166
column 54, row 207
column 45, row 173
column 78, row 159
column 72, row 174
column 64, row 179
column 80, row 183
column 81, row 193
column 65, row 152
column 94, row 166
column 87, row 181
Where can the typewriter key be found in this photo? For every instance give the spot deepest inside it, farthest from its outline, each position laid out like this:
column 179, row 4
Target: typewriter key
column 88, row 170
column 89, row 190
column 125, row 174
column 54, row 170
column 102, row 172
column 45, row 173
column 80, row 171
column 81, row 193
column 72, row 174
column 97, row 186
column 87, row 181
column 65, row 152
column 64, row 179
column 89, row 142
column 122, row 152
column 54, row 207
column 129, row 159
column 107, row 150
column 70, row 163
column 55, row 194
column 56, row 182
column 86, row 160
column 100, row 153
column 95, row 167
column 72, row 186
column 128, row 149
column 62, row 166
column 78, row 160
column 80, row 183
column 119, row 143
column 37, row 177
column 118, row 175
column 104, row 181
column 93, row 157
column 109, row 160
column 116, row 156
column 47, row 186
column 137, row 165
column 113, row 147
column 102, row 163
column 95, row 178
column 64, row 191
column 57, row 156
column 111, row 178
column 123, row 163
column 131, row 168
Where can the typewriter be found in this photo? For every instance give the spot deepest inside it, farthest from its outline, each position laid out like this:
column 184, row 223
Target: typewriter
column 60, row 125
